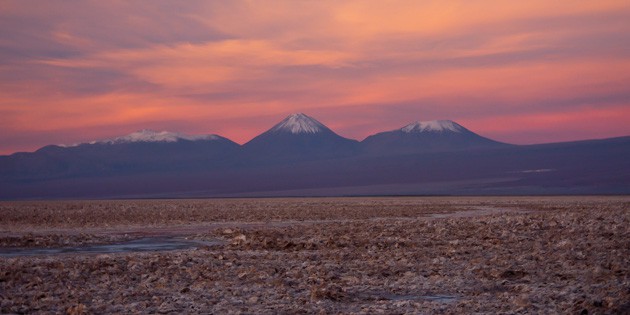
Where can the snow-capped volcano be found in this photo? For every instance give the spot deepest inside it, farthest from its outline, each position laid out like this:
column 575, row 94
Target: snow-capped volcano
column 136, row 153
column 299, row 136
column 433, row 126
column 147, row 135
column 299, row 123
column 427, row 136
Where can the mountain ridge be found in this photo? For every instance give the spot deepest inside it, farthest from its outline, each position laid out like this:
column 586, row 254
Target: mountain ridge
column 297, row 123
column 301, row 155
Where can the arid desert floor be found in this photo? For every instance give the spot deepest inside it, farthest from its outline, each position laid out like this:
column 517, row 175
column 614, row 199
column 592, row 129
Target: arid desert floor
column 407, row 255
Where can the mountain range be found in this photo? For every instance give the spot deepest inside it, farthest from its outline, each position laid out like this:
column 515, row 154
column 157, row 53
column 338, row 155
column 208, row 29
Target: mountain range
column 300, row 156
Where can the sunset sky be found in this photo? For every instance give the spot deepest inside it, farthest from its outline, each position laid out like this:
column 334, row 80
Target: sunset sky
column 516, row 71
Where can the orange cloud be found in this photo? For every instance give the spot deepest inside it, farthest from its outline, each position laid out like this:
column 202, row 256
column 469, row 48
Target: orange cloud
column 588, row 123
column 365, row 65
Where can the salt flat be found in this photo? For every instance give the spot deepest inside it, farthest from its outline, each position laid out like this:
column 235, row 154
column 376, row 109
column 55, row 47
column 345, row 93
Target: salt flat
column 312, row 255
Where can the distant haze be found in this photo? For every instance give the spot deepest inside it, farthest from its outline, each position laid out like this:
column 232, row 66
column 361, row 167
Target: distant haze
column 518, row 72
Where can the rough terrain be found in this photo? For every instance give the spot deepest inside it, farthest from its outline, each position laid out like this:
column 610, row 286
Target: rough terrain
column 321, row 255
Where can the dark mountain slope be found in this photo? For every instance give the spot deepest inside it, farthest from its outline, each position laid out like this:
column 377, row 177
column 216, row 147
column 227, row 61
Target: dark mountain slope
column 298, row 137
column 119, row 156
column 302, row 157
column 585, row 167
column 427, row 136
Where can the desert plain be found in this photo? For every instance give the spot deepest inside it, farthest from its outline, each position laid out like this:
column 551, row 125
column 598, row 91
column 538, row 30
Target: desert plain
column 385, row 255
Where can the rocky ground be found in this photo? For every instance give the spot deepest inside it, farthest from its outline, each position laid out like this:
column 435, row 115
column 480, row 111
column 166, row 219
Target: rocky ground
column 354, row 255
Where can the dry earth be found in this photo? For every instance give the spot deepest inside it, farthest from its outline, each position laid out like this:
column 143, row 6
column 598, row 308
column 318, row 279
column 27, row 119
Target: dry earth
column 567, row 255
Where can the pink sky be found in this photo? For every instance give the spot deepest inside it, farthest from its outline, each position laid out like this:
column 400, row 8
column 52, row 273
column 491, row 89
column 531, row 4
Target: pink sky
column 530, row 72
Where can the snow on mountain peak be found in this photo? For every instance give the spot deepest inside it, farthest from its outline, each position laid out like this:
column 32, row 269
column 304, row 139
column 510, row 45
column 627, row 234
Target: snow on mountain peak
column 299, row 123
column 147, row 135
column 433, row 126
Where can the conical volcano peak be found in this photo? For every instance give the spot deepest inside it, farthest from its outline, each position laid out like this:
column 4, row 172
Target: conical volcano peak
column 299, row 123
column 433, row 126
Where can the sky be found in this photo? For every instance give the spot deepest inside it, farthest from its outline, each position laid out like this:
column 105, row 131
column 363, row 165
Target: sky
column 521, row 72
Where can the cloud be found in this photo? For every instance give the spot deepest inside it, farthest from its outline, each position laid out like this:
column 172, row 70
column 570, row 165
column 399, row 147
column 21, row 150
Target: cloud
column 364, row 66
